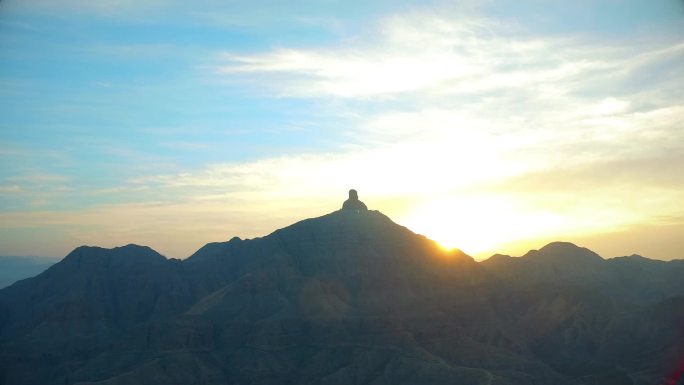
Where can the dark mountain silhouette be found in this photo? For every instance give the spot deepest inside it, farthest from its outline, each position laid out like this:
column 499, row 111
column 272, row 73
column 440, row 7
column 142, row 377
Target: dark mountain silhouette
column 347, row 298
column 13, row 269
column 632, row 278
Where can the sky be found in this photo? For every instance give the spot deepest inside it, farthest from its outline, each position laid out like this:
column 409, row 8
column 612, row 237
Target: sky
column 490, row 126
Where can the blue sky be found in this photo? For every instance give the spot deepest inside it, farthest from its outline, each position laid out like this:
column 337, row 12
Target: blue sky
column 488, row 125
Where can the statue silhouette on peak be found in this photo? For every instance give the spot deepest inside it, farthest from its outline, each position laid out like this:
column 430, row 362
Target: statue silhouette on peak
column 353, row 203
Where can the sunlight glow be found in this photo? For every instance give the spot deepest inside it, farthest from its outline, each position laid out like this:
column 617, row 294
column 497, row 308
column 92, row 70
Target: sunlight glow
column 479, row 225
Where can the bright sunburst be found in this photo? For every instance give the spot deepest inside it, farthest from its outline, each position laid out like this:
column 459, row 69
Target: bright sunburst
column 479, row 226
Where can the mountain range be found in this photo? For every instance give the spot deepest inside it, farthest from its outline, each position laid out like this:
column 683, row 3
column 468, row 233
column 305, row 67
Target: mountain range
column 346, row 298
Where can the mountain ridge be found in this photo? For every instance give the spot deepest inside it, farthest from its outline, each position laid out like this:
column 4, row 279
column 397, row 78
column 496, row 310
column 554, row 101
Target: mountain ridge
column 349, row 297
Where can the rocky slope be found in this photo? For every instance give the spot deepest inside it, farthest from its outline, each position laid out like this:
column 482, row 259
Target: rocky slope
column 347, row 298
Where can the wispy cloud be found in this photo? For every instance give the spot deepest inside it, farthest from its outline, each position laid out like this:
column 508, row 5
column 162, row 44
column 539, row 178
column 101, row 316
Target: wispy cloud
column 40, row 178
column 4, row 189
column 404, row 57
column 186, row 145
column 424, row 52
column 101, row 7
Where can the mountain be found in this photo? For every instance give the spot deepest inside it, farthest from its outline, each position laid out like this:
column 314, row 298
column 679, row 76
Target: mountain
column 13, row 269
column 346, row 298
column 616, row 321
column 632, row 278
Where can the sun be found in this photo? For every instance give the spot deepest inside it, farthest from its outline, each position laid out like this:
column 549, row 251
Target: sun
column 450, row 234
column 479, row 226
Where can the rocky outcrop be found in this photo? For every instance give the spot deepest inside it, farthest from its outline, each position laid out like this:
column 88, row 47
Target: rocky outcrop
column 353, row 203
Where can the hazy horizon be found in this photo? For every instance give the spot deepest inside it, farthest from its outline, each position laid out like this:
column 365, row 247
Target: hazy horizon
column 487, row 126
column 517, row 252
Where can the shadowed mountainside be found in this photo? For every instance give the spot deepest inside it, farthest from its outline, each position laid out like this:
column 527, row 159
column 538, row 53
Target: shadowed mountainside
column 634, row 277
column 347, row 298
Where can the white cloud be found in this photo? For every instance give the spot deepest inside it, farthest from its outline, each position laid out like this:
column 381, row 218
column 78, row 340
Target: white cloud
column 419, row 52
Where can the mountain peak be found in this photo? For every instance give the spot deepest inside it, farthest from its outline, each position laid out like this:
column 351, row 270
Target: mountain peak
column 122, row 255
column 560, row 245
column 345, row 224
column 565, row 251
column 497, row 258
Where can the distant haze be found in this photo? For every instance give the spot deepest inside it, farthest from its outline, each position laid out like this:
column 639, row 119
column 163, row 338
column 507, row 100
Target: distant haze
column 493, row 126
column 13, row 269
